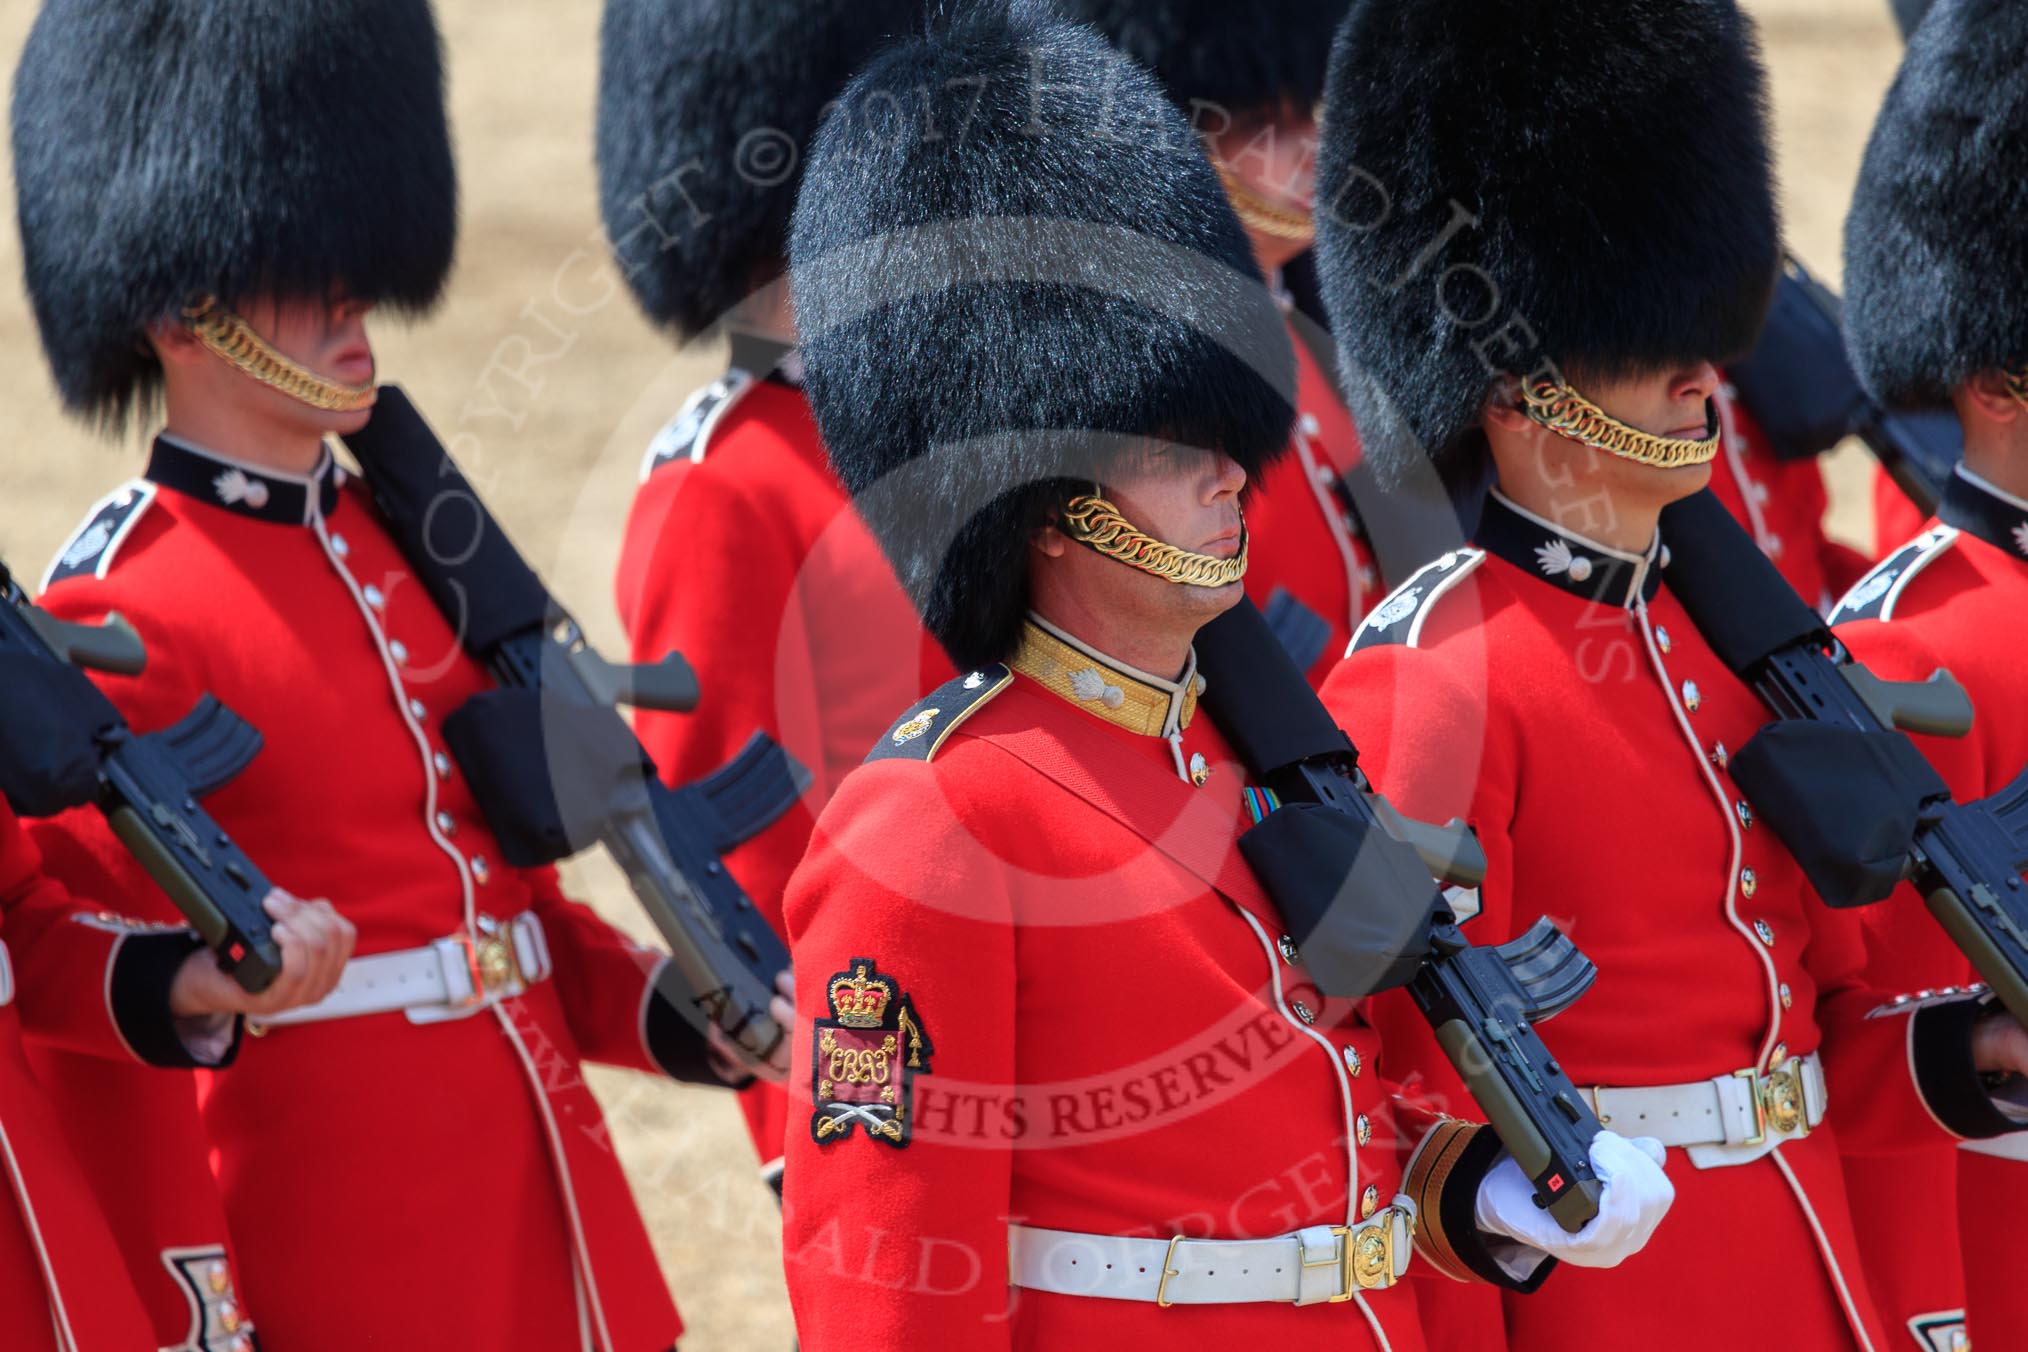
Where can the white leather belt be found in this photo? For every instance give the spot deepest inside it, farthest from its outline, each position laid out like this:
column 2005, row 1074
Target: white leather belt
column 448, row 979
column 6, row 976
column 1725, row 1120
column 1309, row 1267
column 2009, row 1147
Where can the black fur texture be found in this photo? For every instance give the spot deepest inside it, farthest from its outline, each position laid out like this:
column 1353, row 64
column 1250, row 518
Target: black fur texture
column 706, row 109
column 1504, row 183
column 1238, row 57
column 1936, row 244
column 168, row 149
column 1005, row 287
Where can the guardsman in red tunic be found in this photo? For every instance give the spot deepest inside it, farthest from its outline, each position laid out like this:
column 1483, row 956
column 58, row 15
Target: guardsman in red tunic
column 1546, row 684
column 99, row 985
column 80, row 983
column 416, row 1160
column 1248, row 80
column 1934, row 297
column 742, row 551
column 1068, row 1085
column 1782, row 505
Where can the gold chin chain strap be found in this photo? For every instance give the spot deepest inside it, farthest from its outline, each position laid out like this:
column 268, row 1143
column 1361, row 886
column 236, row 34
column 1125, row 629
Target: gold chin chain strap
column 1257, row 213
column 2017, row 384
column 234, row 340
column 1567, row 413
column 1091, row 520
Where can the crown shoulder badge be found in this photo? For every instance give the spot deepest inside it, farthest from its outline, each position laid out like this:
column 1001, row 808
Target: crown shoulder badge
column 867, row 1056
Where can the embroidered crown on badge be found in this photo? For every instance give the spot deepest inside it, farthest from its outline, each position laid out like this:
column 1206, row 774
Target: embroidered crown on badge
column 860, row 1000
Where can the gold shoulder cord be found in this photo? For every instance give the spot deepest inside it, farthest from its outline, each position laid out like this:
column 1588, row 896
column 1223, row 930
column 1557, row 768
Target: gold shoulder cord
column 234, row 340
column 1257, row 213
column 1567, row 413
column 1091, row 520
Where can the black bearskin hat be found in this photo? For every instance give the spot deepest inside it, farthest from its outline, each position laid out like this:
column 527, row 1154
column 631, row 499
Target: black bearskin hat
column 1236, row 56
column 1508, row 183
column 1936, row 245
column 1003, row 287
column 166, row 150
column 706, row 109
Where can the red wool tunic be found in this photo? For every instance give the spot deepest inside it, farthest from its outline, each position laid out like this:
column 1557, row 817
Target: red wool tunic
column 1310, row 567
column 448, row 1184
column 1949, row 598
column 743, row 553
column 97, row 986
column 1554, row 694
column 1782, row 504
column 1118, row 1038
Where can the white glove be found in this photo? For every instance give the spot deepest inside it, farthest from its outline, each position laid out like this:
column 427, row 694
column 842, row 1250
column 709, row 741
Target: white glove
column 1637, row 1195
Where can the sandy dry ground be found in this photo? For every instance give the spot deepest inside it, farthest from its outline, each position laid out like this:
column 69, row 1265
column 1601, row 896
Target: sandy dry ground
column 541, row 360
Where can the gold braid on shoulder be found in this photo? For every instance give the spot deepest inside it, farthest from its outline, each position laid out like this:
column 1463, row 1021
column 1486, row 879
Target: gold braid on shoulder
column 1257, row 213
column 235, row 342
column 1091, row 520
column 1567, row 413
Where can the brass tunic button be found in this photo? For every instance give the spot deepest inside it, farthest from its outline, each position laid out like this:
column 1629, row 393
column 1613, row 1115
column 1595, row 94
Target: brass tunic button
column 374, row 597
column 1303, row 1012
column 339, row 547
column 1662, row 639
column 416, row 710
column 399, row 652
column 481, row 871
column 1369, row 1202
column 446, row 824
column 1788, row 997
column 1745, row 811
column 442, row 764
column 1580, row 569
column 1288, row 949
column 1720, row 757
column 1352, row 1062
column 1363, row 1129
column 1693, row 699
column 1749, row 883
column 1779, row 1055
column 1765, row 931
column 1200, row 770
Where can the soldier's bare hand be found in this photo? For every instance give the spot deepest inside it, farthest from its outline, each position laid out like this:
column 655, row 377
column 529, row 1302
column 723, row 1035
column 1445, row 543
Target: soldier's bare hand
column 733, row 1066
column 2000, row 1046
column 316, row 943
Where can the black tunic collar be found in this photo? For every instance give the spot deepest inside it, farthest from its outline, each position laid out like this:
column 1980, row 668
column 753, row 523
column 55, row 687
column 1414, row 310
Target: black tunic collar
column 766, row 358
column 248, row 490
column 1565, row 560
column 1994, row 515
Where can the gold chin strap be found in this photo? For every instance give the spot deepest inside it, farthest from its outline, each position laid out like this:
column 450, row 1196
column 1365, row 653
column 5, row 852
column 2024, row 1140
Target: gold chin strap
column 2017, row 384
column 1091, row 520
column 1257, row 213
column 1567, row 413
column 234, row 341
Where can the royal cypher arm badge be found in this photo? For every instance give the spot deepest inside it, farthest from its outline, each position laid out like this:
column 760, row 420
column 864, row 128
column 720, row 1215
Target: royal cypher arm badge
column 867, row 1056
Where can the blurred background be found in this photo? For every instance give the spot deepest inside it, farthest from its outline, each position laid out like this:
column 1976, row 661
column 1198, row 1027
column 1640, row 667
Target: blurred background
column 539, row 361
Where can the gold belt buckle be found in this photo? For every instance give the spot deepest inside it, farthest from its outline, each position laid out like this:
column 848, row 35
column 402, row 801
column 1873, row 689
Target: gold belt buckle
column 1788, row 1109
column 1780, row 1101
column 1365, row 1256
column 490, row 956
